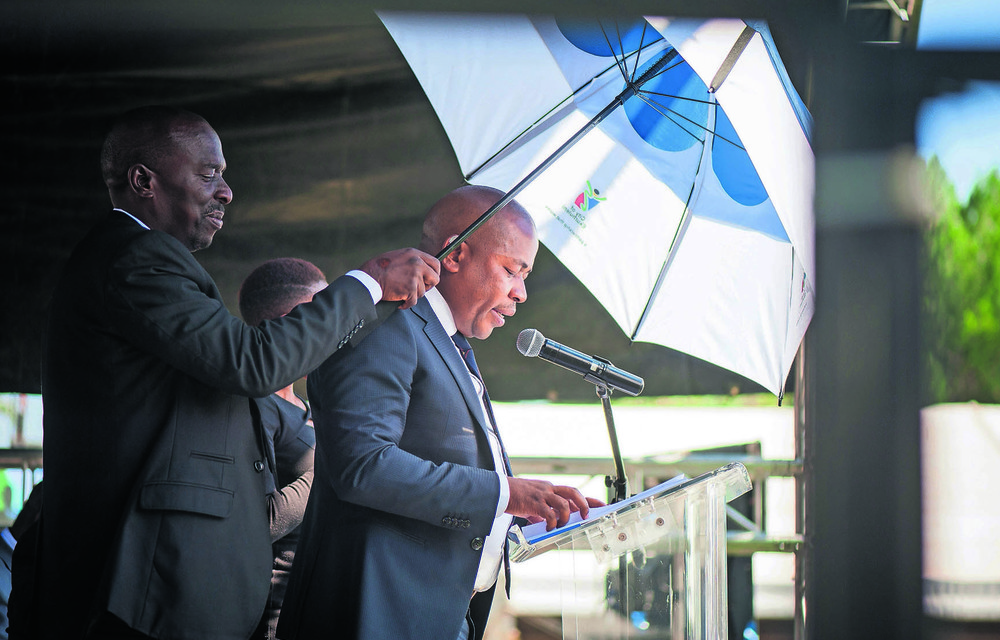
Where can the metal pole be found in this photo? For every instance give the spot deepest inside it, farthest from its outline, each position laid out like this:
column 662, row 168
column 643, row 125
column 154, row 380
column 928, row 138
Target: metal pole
column 386, row 308
column 620, row 482
column 630, row 90
column 801, row 553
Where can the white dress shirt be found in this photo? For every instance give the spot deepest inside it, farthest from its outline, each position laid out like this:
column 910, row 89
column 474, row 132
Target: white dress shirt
column 493, row 547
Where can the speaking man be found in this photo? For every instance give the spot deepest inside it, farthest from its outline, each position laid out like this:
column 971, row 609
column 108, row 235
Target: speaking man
column 404, row 534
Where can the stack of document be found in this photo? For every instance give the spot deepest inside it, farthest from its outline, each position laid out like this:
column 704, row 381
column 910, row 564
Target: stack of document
column 536, row 533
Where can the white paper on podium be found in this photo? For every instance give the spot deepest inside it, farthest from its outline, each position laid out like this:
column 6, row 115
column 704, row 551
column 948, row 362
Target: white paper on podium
column 664, row 512
column 535, row 533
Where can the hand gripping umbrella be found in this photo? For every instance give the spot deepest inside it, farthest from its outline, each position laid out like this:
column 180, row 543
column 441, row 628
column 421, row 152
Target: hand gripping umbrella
column 666, row 164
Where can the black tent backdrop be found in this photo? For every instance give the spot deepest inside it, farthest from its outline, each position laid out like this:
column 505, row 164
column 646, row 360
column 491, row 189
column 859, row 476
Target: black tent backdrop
column 333, row 152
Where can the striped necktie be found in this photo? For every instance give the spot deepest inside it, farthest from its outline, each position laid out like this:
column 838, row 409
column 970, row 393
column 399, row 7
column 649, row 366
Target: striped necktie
column 470, row 361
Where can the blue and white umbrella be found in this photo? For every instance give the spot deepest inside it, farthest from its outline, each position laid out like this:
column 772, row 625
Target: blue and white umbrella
column 686, row 210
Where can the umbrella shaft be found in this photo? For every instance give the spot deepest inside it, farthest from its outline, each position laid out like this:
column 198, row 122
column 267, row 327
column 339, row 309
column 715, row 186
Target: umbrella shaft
column 649, row 73
column 630, row 90
column 517, row 188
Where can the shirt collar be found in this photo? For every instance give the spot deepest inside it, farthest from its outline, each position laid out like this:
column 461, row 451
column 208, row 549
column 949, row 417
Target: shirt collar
column 141, row 223
column 441, row 309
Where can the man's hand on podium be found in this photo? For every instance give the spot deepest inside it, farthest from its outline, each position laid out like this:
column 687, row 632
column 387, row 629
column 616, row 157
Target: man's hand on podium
column 539, row 500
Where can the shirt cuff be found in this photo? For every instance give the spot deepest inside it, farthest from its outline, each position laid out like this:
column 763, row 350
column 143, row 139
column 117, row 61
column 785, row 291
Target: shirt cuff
column 373, row 286
column 504, row 495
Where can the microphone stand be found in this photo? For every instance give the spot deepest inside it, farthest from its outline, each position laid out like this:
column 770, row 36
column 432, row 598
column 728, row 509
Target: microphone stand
column 620, row 482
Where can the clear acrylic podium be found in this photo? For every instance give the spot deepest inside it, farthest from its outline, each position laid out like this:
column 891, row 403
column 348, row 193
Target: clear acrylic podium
column 651, row 566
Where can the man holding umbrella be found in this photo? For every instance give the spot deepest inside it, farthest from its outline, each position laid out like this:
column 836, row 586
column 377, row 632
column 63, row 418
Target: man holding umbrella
column 153, row 522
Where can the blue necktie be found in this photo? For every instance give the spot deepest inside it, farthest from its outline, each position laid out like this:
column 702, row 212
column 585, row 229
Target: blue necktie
column 470, row 361
column 466, row 350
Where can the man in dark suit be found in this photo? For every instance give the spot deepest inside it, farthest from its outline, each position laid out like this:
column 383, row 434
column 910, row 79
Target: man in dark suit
column 154, row 521
column 404, row 534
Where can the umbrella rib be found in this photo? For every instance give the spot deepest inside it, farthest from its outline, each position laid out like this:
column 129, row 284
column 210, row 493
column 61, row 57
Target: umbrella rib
column 676, row 97
column 635, row 68
column 554, row 108
column 642, row 41
column 667, row 113
column 619, row 62
column 623, row 64
column 665, row 69
column 630, row 77
column 621, row 46
column 663, row 111
column 679, row 231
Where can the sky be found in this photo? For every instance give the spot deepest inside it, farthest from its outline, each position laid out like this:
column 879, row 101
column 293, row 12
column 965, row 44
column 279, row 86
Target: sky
column 961, row 129
column 959, row 25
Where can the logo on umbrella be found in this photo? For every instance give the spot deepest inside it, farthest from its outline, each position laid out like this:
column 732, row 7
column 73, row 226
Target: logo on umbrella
column 589, row 199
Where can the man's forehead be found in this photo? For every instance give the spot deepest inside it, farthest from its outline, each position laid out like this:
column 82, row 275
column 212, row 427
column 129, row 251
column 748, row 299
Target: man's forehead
column 202, row 147
column 519, row 250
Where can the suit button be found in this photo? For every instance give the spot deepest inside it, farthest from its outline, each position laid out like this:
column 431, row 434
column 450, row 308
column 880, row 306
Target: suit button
column 258, row 465
column 446, row 521
column 465, row 524
column 477, row 544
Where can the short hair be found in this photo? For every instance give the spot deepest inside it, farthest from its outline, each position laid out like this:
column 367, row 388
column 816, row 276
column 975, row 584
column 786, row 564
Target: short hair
column 144, row 135
column 459, row 208
column 275, row 287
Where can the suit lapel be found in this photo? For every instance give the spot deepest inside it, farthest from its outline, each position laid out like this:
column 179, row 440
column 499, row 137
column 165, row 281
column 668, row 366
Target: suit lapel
column 441, row 341
column 460, row 372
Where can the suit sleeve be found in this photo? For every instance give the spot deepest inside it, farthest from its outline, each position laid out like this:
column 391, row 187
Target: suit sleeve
column 390, row 431
column 163, row 301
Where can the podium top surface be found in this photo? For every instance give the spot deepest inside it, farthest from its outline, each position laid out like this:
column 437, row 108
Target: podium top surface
column 728, row 483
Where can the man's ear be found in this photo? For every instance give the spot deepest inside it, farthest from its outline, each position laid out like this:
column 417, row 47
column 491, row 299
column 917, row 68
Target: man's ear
column 451, row 261
column 140, row 180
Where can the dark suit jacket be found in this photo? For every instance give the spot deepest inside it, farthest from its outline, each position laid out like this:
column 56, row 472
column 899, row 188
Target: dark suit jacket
column 404, row 493
column 154, row 504
column 290, row 446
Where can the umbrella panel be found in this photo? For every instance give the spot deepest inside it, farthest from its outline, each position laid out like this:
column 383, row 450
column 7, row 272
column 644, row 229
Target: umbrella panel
column 621, row 207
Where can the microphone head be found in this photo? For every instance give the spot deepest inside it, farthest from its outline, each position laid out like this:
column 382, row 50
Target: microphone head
column 530, row 342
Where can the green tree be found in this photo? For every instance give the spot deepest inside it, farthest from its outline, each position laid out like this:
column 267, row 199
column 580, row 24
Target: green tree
column 962, row 292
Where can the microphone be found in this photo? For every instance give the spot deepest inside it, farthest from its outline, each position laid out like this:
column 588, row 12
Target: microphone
column 531, row 343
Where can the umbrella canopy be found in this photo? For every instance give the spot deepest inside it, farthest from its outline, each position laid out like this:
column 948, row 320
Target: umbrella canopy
column 687, row 211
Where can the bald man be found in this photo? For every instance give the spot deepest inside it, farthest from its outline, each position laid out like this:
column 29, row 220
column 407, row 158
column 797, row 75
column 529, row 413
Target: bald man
column 404, row 535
